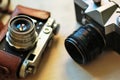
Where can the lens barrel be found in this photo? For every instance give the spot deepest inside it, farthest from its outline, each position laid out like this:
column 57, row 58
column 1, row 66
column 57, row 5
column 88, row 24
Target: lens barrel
column 85, row 44
column 21, row 33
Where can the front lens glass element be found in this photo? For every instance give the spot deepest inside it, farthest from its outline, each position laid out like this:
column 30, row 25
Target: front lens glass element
column 22, row 26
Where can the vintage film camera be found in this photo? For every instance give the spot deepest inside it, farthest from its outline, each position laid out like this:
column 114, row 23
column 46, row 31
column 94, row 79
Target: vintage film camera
column 28, row 33
column 100, row 29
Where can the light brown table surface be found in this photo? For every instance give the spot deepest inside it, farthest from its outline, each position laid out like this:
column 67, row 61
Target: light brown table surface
column 56, row 63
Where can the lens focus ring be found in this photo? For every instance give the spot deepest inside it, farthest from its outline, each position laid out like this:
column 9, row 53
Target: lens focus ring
column 21, row 33
column 85, row 44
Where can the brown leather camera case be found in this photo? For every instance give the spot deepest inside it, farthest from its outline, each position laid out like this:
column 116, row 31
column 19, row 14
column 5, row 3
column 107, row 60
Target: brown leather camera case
column 9, row 63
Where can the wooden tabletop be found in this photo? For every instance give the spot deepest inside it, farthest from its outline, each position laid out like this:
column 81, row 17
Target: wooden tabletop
column 56, row 63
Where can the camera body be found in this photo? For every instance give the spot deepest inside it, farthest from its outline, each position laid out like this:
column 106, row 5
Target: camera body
column 100, row 29
column 107, row 16
column 27, row 37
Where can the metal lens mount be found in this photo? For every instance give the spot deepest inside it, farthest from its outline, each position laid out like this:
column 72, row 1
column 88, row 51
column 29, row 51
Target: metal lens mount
column 21, row 33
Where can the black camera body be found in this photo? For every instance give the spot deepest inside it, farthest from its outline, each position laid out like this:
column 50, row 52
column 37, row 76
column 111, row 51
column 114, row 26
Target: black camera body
column 27, row 38
column 100, row 29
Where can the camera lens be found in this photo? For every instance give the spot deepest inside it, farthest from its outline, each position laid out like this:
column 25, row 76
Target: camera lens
column 85, row 44
column 21, row 33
